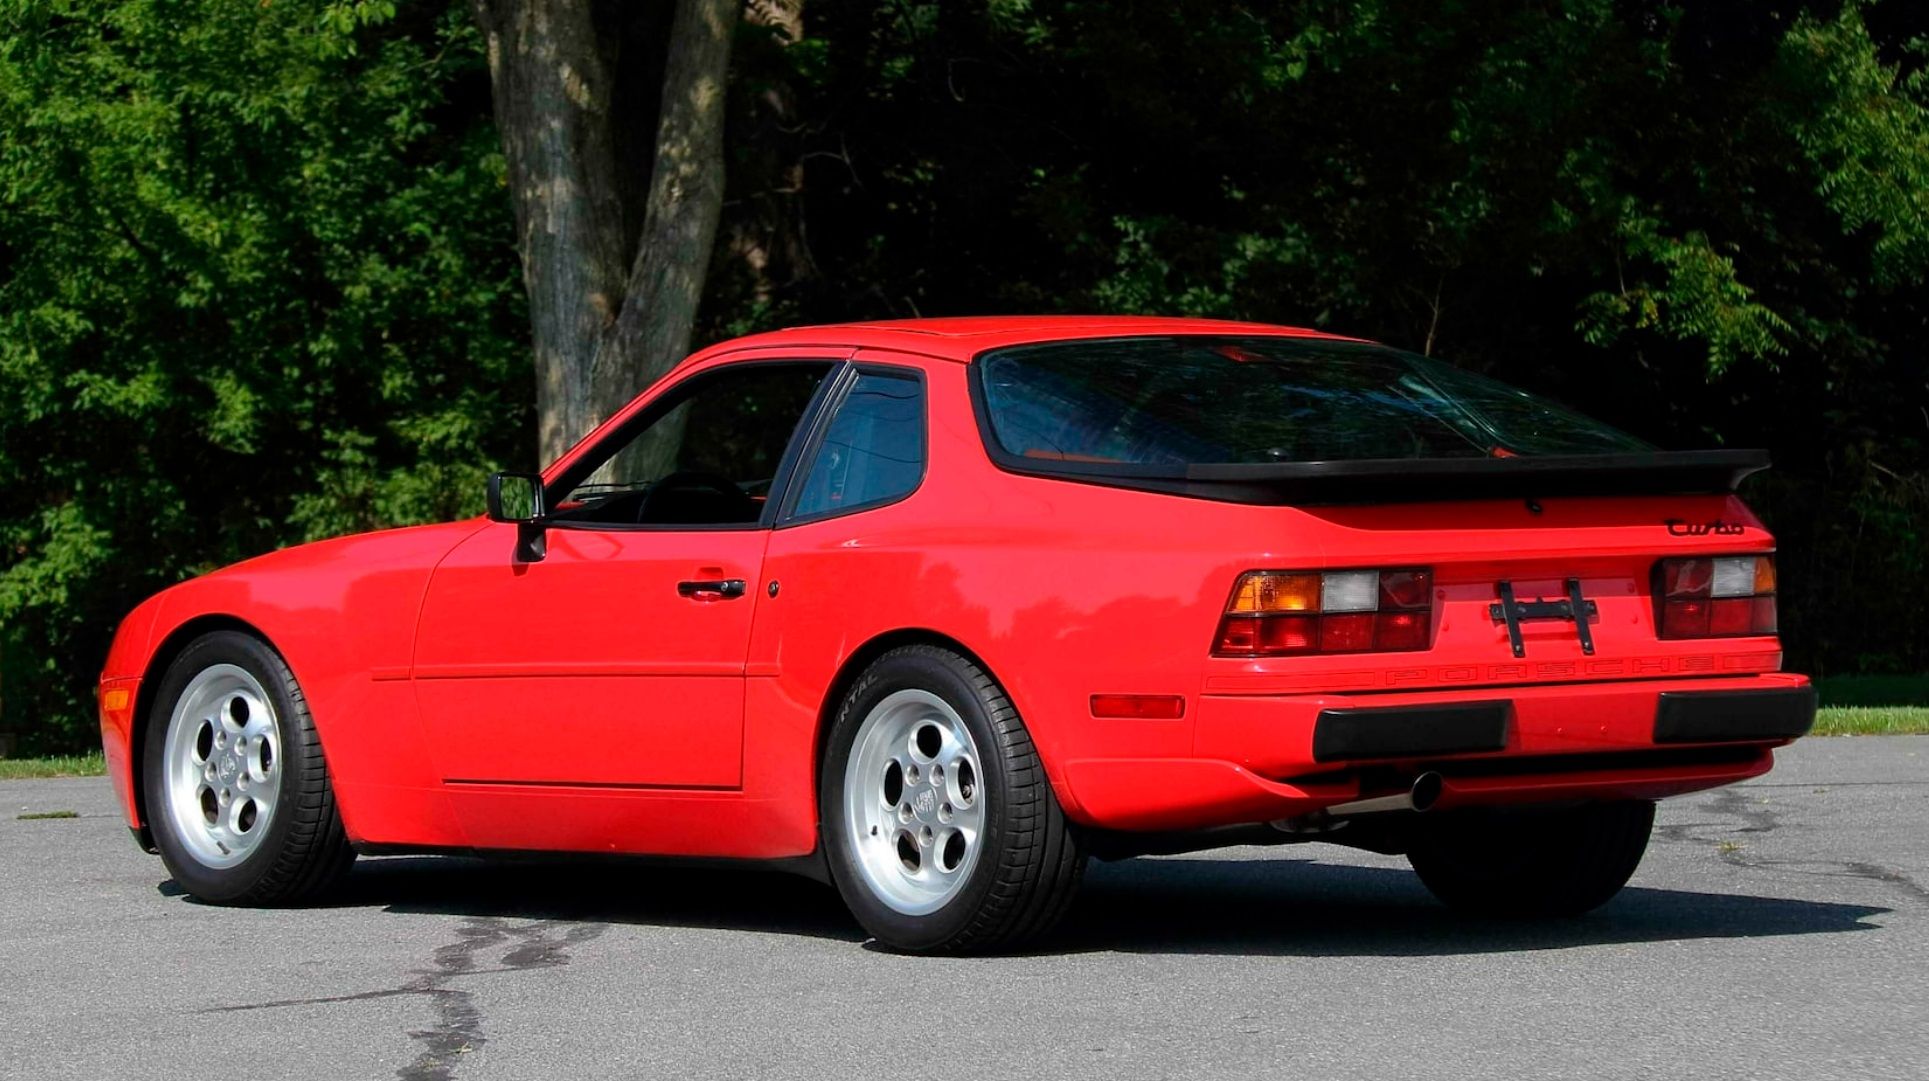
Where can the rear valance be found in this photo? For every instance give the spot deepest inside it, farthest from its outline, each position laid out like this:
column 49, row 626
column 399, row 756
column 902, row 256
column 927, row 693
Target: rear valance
column 1416, row 480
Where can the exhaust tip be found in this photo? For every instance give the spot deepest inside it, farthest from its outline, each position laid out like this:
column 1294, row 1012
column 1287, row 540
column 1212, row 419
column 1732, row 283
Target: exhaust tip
column 1426, row 791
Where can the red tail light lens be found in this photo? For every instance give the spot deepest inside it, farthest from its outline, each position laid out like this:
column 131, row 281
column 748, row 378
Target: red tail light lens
column 1400, row 631
column 1718, row 597
column 1281, row 613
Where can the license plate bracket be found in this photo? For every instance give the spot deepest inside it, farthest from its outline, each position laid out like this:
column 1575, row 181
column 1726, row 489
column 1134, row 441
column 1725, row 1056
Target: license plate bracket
column 1573, row 608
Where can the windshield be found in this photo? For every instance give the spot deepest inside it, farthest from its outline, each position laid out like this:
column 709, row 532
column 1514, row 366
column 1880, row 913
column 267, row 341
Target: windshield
column 1187, row 400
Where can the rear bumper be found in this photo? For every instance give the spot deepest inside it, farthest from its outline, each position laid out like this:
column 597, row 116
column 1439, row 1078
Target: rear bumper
column 1263, row 757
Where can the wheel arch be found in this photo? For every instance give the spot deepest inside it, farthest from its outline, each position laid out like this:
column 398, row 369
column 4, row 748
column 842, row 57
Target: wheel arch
column 158, row 662
column 877, row 646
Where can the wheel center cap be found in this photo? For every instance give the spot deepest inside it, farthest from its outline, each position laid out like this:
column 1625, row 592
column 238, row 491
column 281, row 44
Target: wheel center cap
column 926, row 802
column 227, row 768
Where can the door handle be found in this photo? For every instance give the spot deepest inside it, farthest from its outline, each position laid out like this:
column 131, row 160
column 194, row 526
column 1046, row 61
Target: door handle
column 713, row 589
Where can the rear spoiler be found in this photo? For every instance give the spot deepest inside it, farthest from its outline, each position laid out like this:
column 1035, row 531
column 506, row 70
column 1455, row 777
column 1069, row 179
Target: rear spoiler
column 1421, row 480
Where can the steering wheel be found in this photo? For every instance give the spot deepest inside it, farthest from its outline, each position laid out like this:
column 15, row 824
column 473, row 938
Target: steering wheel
column 689, row 479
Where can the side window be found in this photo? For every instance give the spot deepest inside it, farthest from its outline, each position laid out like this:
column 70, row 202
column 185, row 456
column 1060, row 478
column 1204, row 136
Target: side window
column 873, row 449
column 708, row 459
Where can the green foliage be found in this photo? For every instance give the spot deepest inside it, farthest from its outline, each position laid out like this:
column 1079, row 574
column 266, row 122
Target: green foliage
column 257, row 283
column 1864, row 129
column 1695, row 298
column 255, row 288
column 1875, row 691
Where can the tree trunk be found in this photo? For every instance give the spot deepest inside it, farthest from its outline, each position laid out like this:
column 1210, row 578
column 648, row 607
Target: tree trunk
column 672, row 257
column 577, row 86
column 553, row 85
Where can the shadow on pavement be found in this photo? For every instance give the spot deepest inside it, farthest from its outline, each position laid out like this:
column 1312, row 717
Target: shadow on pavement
column 1280, row 906
column 1299, row 907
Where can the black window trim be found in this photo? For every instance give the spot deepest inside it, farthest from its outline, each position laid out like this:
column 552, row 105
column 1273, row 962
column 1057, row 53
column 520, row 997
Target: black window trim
column 836, row 371
column 787, row 516
column 1373, row 480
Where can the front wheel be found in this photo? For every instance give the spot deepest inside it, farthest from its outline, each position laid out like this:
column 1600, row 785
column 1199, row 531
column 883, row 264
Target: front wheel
column 940, row 827
column 1531, row 862
column 237, row 793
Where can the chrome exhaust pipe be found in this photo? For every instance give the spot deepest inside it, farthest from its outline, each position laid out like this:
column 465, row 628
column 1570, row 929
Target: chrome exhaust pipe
column 1422, row 796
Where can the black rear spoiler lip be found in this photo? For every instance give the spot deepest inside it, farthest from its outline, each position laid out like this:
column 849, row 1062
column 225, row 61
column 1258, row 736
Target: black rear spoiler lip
column 1420, row 480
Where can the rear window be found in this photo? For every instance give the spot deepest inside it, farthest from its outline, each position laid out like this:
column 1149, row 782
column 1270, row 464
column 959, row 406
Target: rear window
column 1184, row 401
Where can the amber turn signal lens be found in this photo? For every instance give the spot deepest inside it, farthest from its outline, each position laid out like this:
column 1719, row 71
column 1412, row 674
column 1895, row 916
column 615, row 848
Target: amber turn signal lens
column 1262, row 592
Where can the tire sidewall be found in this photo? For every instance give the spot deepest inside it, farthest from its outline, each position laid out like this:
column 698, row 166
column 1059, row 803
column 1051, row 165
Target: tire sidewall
column 944, row 676
column 1522, row 862
column 251, row 654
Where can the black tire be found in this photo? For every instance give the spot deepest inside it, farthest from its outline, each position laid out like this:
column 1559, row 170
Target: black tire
column 304, row 849
column 1029, row 868
column 1527, row 863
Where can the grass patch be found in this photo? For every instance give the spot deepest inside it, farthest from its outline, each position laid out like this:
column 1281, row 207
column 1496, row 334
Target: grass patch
column 1872, row 721
column 36, row 816
column 73, row 765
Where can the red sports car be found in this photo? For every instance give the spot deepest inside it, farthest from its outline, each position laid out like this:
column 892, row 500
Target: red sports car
column 938, row 609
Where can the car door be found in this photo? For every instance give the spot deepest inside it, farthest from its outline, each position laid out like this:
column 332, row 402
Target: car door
column 614, row 656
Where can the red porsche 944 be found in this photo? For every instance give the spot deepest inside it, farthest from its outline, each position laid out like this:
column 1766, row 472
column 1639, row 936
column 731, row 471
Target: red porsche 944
column 937, row 610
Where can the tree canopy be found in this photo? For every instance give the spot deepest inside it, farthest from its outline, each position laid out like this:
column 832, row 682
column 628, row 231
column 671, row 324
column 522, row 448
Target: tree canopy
column 259, row 280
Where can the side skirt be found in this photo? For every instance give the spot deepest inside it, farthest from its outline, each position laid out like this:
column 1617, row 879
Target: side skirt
column 811, row 865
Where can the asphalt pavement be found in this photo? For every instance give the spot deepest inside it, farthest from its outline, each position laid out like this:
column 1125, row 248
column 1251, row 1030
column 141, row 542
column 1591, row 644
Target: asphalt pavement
column 1778, row 929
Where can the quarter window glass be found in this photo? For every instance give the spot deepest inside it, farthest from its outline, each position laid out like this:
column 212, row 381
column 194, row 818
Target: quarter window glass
column 710, row 459
column 873, row 451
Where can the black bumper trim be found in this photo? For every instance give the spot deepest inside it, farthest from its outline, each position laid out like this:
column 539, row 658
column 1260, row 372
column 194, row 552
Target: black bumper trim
column 1722, row 716
column 1411, row 731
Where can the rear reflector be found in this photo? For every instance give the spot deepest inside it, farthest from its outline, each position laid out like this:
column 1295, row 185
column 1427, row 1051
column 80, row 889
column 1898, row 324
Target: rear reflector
column 1723, row 597
column 1282, row 613
column 1148, row 707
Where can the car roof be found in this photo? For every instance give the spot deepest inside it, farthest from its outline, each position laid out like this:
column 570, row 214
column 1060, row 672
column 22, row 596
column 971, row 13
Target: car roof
column 962, row 337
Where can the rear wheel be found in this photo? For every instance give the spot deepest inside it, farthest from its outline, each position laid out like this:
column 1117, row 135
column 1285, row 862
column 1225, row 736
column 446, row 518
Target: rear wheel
column 1558, row 862
column 940, row 827
column 238, row 796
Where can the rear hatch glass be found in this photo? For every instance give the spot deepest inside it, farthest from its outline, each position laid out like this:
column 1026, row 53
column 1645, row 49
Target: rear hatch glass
column 1251, row 400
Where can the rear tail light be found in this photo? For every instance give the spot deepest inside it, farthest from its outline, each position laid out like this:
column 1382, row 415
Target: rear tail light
column 1279, row 613
column 1719, row 597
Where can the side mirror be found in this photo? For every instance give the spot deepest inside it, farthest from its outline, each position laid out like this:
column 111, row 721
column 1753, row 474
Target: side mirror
column 518, row 498
column 515, row 497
